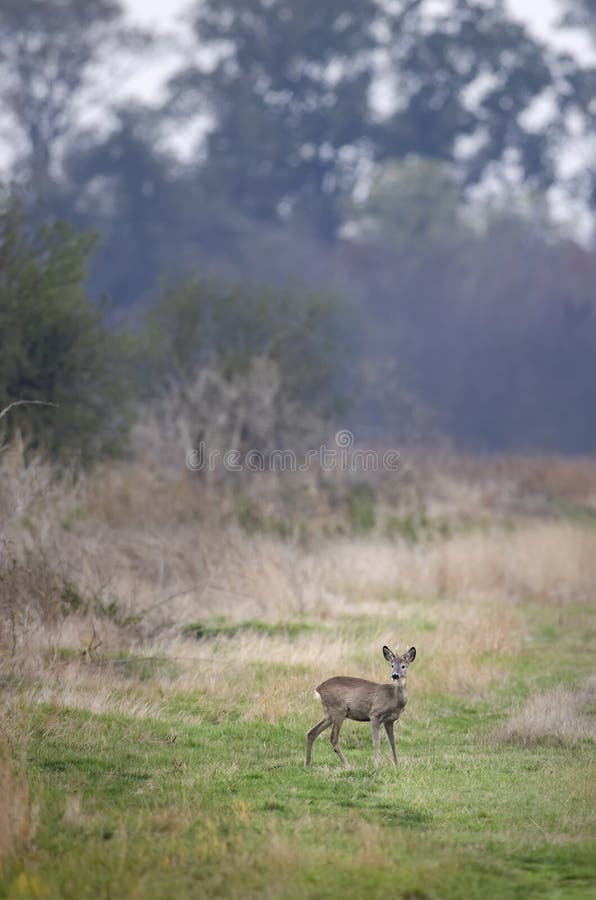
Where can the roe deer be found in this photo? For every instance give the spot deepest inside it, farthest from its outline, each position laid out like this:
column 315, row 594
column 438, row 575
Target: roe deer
column 364, row 701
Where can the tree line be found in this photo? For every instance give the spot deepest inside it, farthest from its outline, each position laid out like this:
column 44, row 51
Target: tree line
column 341, row 147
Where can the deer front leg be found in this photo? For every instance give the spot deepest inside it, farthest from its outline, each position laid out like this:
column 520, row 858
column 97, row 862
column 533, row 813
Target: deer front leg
column 391, row 736
column 375, row 725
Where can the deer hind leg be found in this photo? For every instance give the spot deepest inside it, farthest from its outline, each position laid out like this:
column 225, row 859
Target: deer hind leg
column 313, row 735
column 335, row 741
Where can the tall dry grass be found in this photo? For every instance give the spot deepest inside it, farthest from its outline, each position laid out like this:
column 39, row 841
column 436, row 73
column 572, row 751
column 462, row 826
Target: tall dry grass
column 552, row 562
column 118, row 561
column 535, row 485
column 557, row 716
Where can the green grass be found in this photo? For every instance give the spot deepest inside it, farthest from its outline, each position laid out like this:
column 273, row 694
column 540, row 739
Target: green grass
column 227, row 810
column 207, row 803
column 221, row 628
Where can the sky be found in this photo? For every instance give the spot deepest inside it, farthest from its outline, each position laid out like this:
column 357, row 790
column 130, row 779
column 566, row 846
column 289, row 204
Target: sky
column 539, row 15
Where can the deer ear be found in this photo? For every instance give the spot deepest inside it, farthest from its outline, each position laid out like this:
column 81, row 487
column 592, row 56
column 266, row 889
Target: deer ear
column 388, row 654
column 411, row 654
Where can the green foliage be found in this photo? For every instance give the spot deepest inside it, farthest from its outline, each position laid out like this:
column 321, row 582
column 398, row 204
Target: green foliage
column 406, row 527
column 254, row 520
column 72, row 599
column 220, row 628
column 250, row 516
column 412, row 206
column 56, row 346
column 208, row 322
column 361, row 508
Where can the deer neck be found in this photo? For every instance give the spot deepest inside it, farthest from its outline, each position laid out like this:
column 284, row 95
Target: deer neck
column 400, row 690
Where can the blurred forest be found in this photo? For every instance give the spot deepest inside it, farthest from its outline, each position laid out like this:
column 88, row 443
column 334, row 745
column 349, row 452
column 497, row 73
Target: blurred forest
column 365, row 220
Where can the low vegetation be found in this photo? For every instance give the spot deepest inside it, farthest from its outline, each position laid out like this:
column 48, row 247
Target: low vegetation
column 18, row 821
column 159, row 660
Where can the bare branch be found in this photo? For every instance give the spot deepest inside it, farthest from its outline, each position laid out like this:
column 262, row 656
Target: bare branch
column 10, row 406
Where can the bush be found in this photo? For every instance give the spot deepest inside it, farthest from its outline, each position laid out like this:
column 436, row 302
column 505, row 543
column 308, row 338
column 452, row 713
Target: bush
column 56, row 346
column 208, row 321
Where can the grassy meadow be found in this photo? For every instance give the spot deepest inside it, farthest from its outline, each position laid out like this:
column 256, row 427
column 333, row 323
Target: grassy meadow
column 162, row 636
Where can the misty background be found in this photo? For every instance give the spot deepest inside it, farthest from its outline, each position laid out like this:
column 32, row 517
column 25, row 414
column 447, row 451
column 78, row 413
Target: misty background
column 282, row 212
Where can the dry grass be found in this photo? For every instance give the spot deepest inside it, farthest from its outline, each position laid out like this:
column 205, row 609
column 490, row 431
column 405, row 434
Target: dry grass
column 172, row 542
column 18, row 816
column 457, row 485
column 148, row 553
column 98, row 693
column 470, row 649
column 550, row 561
column 557, row 716
column 464, row 652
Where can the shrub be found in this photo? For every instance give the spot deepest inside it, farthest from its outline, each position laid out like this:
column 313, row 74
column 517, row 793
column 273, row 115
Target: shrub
column 56, row 345
column 299, row 332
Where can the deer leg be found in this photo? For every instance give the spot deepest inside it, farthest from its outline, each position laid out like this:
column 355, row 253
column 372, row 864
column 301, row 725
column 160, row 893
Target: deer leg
column 375, row 724
column 335, row 742
column 313, row 735
column 391, row 736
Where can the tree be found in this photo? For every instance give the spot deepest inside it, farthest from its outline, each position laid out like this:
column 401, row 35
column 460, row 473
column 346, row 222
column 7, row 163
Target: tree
column 56, row 347
column 466, row 71
column 208, row 324
column 290, row 86
column 49, row 51
column 495, row 337
column 579, row 102
column 289, row 97
column 580, row 14
column 121, row 186
column 155, row 218
column 411, row 206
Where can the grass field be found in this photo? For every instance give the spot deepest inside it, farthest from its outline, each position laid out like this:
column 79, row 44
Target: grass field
column 161, row 755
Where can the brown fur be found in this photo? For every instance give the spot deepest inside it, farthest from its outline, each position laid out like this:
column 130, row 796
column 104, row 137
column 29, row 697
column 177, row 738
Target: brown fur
column 344, row 697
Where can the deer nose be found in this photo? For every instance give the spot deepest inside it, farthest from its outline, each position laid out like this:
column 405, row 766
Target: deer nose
column 395, row 676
